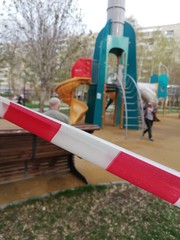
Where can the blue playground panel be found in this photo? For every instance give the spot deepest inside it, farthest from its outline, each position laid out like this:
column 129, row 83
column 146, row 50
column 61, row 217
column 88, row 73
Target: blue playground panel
column 105, row 44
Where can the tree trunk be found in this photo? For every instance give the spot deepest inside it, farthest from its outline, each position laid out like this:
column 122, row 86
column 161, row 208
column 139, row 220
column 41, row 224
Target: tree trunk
column 42, row 99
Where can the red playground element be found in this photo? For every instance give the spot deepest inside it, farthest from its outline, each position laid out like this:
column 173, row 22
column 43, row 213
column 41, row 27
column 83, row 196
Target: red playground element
column 82, row 68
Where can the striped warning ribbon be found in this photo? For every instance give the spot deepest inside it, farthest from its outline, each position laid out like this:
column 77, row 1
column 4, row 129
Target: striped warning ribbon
column 149, row 175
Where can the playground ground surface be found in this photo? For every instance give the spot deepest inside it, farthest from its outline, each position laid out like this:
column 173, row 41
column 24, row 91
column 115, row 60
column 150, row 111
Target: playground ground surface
column 165, row 150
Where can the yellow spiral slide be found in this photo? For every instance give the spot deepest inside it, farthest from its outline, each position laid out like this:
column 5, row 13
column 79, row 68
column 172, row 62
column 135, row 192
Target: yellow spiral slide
column 65, row 91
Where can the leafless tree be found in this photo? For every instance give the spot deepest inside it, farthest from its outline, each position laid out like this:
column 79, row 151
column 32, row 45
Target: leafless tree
column 43, row 29
column 154, row 52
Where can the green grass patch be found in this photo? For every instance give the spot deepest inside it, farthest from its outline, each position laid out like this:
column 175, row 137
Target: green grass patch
column 34, row 105
column 92, row 213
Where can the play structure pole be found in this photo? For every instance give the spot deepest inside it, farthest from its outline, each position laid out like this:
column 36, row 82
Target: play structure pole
column 118, row 39
column 116, row 13
column 149, row 175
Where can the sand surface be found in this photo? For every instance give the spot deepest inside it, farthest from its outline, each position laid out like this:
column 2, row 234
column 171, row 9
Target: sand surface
column 165, row 150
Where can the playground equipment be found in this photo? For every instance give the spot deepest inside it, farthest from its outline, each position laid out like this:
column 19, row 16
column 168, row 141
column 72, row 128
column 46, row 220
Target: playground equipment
column 156, row 89
column 148, row 92
column 151, row 176
column 114, row 77
column 117, row 40
column 65, row 90
column 162, row 83
column 81, row 74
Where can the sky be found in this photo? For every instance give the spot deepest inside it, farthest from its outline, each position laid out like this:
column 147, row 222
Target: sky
column 147, row 12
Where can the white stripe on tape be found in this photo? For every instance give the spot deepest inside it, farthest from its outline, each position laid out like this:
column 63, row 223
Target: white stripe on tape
column 96, row 150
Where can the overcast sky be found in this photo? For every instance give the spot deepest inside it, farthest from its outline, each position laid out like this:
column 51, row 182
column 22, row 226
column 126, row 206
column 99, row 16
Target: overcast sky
column 146, row 12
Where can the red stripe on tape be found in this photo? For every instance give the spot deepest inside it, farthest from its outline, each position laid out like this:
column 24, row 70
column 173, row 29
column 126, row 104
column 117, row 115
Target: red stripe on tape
column 157, row 181
column 29, row 120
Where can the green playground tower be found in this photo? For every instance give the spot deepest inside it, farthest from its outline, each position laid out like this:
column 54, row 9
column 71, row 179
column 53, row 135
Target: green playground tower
column 116, row 39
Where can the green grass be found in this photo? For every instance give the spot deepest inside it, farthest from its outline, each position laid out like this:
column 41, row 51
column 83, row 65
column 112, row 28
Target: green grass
column 92, row 213
column 34, row 105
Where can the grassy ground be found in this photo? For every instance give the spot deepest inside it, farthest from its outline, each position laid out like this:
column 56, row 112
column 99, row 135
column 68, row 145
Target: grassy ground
column 115, row 212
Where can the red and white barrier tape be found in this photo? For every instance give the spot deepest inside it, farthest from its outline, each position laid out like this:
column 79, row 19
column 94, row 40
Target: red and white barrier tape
column 151, row 176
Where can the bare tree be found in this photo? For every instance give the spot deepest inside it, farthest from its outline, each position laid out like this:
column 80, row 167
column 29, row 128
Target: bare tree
column 79, row 47
column 154, row 52
column 43, row 29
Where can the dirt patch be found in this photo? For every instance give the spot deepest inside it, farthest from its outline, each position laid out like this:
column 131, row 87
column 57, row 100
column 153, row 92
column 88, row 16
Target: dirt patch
column 165, row 150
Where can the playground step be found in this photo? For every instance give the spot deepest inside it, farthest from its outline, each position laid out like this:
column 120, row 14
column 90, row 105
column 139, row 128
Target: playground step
column 132, row 110
column 131, row 118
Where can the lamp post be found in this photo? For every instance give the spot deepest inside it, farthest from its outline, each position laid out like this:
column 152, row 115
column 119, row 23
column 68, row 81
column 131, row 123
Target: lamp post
column 23, row 76
column 165, row 67
column 167, row 73
column 1, row 81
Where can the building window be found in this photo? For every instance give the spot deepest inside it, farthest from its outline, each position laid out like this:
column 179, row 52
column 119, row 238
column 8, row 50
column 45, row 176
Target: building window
column 169, row 33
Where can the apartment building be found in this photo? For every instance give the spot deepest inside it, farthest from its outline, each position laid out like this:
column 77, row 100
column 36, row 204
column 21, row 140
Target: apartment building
column 156, row 56
column 171, row 31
